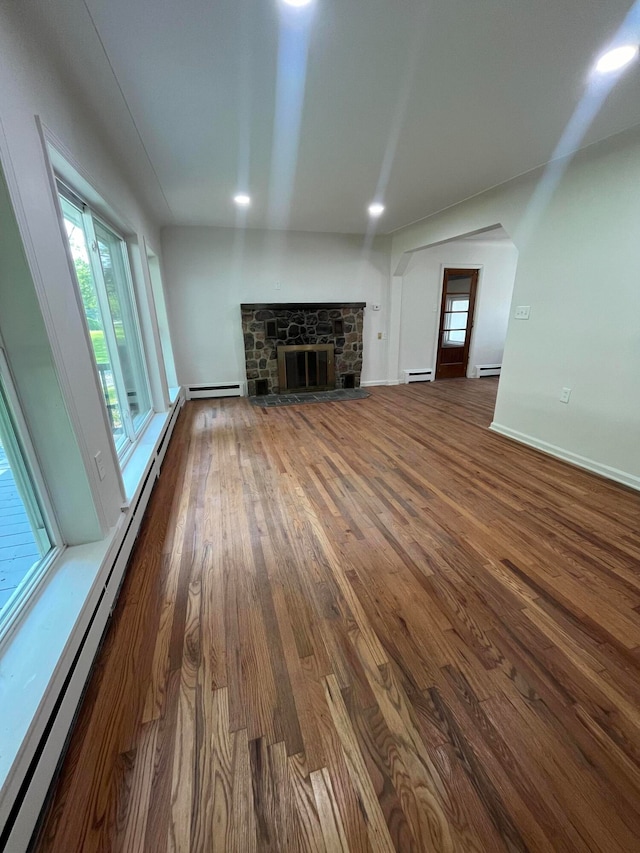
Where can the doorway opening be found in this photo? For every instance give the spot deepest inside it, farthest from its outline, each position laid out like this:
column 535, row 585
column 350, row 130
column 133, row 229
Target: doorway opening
column 459, row 288
column 430, row 349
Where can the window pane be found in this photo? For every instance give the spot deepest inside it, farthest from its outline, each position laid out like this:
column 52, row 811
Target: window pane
column 24, row 539
column 456, row 320
column 455, row 338
column 80, row 253
column 111, row 251
column 457, row 303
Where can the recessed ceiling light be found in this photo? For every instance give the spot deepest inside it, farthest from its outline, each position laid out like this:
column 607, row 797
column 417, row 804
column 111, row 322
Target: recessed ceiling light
column 376, row 209
column 297, row 3
column 242, row 200
column 616, row 58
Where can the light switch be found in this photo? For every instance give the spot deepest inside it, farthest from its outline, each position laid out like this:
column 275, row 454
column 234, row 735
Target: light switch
column 100, row 465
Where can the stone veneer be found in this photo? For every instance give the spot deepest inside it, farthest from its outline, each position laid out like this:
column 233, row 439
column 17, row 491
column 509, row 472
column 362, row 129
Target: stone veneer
column 301, row 323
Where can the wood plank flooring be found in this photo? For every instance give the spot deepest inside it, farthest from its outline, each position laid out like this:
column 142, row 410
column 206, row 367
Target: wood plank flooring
column 365, row 626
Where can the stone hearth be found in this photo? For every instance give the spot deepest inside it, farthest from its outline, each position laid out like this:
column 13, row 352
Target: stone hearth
column 267, row 326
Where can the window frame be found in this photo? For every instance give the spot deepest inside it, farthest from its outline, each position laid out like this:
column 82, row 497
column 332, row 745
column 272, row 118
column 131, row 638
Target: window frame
column 158, row 309
column 133, row 296
column 132, row 432
column 23, row 593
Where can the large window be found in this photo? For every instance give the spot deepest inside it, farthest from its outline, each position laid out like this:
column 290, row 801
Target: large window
column 104, row 280
column 25, row 538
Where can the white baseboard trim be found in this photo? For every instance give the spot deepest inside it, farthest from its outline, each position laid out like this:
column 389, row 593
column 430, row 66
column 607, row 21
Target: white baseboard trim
column 591, row 465
column 371, row 382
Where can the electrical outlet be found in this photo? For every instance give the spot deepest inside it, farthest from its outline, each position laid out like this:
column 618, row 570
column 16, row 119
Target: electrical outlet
column 100, row 465
column 379, row 336
column 278, row 285
column 522, row 312
column 564, row 395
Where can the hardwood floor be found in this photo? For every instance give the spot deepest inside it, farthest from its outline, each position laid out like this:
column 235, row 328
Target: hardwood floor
column 365, row 626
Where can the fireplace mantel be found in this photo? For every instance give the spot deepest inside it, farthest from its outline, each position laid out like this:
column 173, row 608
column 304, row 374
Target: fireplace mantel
column 266, row 326
column 299, row 306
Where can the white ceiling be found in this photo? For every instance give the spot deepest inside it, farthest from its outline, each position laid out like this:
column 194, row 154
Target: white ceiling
column 445, row 98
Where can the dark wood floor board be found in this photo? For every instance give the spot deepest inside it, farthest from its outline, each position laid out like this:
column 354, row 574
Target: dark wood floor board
column 365, row 626
column 590, row 807
column 399, row 646
column 590, row 750
column 269, row 776
column 478, row 828
column 595, row 730
column 516, row 806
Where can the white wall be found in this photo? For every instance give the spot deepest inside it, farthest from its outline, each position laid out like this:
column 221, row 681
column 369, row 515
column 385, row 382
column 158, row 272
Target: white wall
column 209, row 272
column 33, row 86
column 574, row 271
column 422, row 294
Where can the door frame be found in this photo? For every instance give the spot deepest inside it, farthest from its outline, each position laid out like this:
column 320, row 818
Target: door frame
column 471, row 336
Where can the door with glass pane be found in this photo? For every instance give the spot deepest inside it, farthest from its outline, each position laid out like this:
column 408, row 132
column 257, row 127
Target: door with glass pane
column 456, row 321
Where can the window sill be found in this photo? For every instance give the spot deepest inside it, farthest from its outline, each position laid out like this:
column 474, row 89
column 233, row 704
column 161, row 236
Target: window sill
column 134, row 469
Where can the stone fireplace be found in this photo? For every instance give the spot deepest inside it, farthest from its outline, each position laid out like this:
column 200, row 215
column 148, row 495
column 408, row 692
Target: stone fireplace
column 311, row 326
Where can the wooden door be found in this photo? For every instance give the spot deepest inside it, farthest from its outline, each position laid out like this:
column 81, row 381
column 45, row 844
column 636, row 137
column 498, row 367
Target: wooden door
column 456, row 321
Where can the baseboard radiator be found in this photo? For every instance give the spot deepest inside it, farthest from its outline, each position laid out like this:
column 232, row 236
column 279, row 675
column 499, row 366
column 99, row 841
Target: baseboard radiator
column 222, row 389
column 422, row 374
column 487, row 370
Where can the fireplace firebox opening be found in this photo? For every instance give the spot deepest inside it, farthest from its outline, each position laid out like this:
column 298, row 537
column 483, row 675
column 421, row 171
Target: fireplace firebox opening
column 307, row 367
